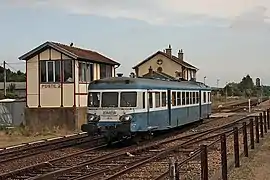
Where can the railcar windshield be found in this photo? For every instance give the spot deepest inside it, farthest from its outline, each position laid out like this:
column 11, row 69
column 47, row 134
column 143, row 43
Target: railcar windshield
column 109, row 99
column 128, row 99
column 94, row 99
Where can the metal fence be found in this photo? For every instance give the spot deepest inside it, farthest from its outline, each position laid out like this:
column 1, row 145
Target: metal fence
column 12, row 112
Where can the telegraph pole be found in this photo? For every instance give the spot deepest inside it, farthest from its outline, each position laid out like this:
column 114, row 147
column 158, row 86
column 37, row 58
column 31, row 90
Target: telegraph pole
column 5, row 80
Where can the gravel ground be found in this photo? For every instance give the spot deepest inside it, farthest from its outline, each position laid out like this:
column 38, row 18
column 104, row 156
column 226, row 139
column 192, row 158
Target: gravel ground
column 257, row 166
column 58, row 153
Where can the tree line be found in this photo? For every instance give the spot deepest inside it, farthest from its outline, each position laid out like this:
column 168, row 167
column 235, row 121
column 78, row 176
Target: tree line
column 12, row 76
column 245, row 87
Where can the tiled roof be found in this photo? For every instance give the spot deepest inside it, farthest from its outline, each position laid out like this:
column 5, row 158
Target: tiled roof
column 74, row 52
column 173, row 58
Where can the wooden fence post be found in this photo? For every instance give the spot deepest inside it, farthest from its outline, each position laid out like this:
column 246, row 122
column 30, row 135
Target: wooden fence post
column 172, row 169
column 245, row 141
column 176, row 171
column 257, row 129
column 261, row 125
column 223, row 156
column 236, row 147
column 204, row 162
column 251, row 130
column 264, row 122
column 267, row 117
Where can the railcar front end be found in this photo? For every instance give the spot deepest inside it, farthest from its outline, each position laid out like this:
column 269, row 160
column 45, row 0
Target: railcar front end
column 111, row 112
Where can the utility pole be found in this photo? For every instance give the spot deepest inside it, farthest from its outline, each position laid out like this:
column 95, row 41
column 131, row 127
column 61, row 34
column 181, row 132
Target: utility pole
column 226, row 91
column 5, row 80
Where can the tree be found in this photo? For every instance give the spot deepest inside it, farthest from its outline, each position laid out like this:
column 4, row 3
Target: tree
column 245, row 88
column 12, row 76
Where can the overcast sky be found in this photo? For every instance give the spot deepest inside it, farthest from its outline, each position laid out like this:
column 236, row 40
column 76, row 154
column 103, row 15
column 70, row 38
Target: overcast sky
column 225, row 39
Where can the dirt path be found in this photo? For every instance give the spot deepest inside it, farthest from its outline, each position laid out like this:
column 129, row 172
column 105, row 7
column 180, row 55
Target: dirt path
column 257, row 166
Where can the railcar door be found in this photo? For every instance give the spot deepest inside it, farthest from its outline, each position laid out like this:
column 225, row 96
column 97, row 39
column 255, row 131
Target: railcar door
column 200, row 104
column 169, row 102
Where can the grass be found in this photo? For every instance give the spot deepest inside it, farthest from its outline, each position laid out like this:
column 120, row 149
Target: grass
column 17, row 135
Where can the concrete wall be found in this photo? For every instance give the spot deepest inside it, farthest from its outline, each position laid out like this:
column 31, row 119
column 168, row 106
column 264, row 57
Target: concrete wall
column 48, row 118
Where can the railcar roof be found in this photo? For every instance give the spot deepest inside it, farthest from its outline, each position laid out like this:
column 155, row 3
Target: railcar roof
column 144, row 83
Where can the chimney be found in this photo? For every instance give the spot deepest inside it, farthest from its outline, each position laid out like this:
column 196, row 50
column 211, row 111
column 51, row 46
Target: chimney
column 71, row 44
column 169, row 51
column 180, row 55
column 150, row 71
column 119, row 74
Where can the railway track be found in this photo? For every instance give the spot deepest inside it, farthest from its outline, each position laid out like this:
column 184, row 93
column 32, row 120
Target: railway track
column 37, row 147
column 29, row 149
column 97, row 163
column 235, row 107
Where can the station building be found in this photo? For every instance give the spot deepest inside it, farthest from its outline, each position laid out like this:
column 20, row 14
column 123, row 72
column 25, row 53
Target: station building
column 165, row 64
column 57, row 80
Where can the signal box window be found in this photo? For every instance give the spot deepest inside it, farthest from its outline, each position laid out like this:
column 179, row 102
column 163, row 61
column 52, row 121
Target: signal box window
column 173, row 98
column 178, row 98
column 93, row 99
column 163, row 97
column 183, row 98
column 128, row 99
column 157, row 98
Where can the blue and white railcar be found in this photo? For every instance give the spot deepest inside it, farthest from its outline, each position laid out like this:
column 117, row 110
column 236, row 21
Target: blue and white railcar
column 123, row 106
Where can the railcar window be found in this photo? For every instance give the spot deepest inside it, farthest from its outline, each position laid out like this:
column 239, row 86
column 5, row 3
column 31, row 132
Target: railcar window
column 178, row 98
column 209, row 97
column 128, row 99
column 194, row 97
column 187, row 98
column 183, row 98
column 173, row 98
column 150, row 99
column 157, row 98
column 94, row 99
column 109, row 99
column 204, row 97
column 197, row 97
column 163, row 96
column 143, row 99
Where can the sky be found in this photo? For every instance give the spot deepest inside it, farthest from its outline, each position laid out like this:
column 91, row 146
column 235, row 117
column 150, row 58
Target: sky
column 226, row 40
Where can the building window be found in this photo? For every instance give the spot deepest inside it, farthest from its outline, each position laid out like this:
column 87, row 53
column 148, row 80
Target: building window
column 86, row 72
column 105, row 71
column 50, row 71
column 68, row 71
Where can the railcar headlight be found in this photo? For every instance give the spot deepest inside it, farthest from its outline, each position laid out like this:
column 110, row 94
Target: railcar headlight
column 91, row 117
column 126, row 117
